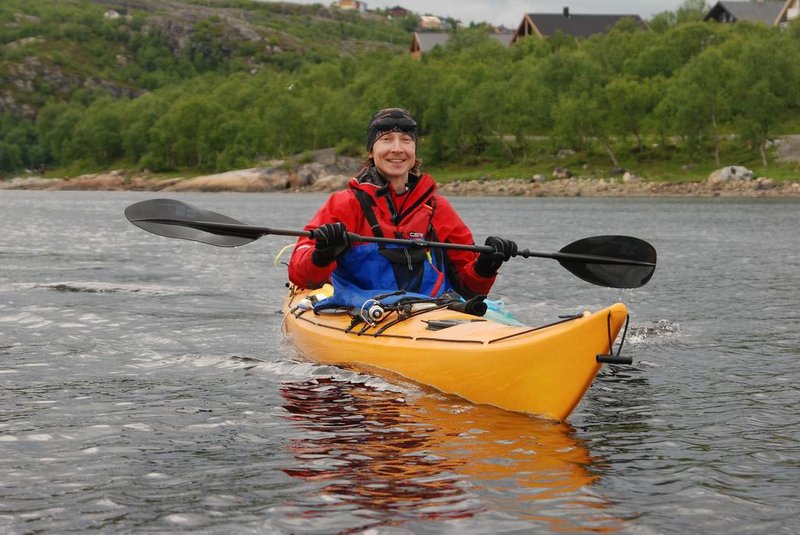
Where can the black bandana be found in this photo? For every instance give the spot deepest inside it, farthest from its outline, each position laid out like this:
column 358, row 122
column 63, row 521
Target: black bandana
column 390, row 120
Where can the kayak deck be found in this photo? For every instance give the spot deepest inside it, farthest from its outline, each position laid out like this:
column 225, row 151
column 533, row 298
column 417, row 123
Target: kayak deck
column 537, row 370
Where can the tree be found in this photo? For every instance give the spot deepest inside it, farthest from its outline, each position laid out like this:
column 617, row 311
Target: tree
column 661, row 22
column 683, row 108
column 691, row 11
column 766, row 84
column 572, row 71
column 96, row 137
column 19, row 144
column 580, row 119
column 529, row 100
column 55, row 125
column 630, row 102
column 710, row 74
column 10, row 157
column 187, row 136
column 140, row 117
column 612, row 50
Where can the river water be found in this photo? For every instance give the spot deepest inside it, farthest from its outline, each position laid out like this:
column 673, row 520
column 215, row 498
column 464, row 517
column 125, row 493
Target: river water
column 146, row 386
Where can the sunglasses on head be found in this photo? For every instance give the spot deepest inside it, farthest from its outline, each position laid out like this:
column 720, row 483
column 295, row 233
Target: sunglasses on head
column 393, row 119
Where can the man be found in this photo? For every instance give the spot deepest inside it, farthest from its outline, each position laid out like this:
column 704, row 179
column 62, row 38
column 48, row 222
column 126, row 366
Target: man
column 390, row 197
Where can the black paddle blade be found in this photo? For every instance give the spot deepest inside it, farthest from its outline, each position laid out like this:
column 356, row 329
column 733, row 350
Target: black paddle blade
column 176, row 219
column 621, row 261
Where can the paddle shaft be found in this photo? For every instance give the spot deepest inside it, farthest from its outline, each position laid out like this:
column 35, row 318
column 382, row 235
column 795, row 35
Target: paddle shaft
column 248, row 231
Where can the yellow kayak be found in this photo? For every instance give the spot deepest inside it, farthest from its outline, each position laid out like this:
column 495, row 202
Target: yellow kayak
column 536, row 370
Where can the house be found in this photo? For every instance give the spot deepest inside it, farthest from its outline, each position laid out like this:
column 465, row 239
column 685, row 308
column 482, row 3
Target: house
column 430, row 22
column 770, row 12
column 791, row 10
column 548, row 24
column 397, row 11
column 502, row 37
column 423, row 42
column 351, row 4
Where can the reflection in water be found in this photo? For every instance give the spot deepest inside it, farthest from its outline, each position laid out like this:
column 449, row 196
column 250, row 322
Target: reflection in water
column 621, row 405
column 380, row 460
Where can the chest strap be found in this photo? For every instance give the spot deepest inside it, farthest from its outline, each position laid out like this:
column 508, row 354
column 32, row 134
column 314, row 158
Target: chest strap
column 367, row 202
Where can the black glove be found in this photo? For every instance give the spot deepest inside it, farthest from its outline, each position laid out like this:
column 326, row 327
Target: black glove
column 331, row 241
column 488, row 263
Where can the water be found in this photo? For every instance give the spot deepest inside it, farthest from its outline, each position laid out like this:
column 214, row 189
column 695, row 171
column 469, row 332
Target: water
column 146, row 386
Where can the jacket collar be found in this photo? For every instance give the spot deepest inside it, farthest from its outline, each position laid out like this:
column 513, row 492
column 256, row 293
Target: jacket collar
column 420, row 190
column 371, row 175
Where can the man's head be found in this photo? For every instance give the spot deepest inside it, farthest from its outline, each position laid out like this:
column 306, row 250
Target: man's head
column 390, row 120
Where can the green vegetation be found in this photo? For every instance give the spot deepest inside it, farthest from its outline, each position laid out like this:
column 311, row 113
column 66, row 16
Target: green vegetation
column 231, row 83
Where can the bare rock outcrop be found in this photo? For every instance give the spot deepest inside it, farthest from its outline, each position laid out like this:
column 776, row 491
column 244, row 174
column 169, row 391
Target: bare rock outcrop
column 321, row 170
column 244, row 180
column 730, row 173
column 789, row 148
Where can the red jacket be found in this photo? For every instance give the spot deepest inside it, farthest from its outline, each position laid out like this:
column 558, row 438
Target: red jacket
column 344, row 206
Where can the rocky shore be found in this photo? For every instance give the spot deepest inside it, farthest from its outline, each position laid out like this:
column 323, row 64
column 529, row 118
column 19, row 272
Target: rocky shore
column 327, row 172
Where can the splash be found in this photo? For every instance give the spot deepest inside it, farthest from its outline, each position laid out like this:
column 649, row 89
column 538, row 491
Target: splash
column 654, row 332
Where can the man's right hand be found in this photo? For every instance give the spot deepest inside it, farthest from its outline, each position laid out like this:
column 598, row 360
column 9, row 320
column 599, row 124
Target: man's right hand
column 488, row 263
column 331, row 242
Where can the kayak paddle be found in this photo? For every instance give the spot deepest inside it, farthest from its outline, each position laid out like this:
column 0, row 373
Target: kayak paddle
column 612, row 261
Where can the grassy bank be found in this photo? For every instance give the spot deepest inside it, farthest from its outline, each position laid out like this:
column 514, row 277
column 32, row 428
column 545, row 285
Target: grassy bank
column 679, row 167
column 654, row 164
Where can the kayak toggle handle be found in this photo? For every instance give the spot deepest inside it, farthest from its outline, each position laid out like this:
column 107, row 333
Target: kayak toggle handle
column 610, row 357
column 614, row 359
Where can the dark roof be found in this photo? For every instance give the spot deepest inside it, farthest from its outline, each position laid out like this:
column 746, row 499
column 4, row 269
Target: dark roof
column 504, row 38
column 428, row 40
column 577, row 25
column 766, row 11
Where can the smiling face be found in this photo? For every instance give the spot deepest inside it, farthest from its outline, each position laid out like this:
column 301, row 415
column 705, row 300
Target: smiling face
column 394, row 154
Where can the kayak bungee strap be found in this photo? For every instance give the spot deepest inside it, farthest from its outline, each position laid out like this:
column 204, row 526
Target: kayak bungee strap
column 611, row 358
column 404, row 311
column 534, row 329
column 370, row 317
column 354, row 322
column 375, row 311
column 404, row 316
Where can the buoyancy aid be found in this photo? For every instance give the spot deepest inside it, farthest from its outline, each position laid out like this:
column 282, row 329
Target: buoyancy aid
column 369, row 271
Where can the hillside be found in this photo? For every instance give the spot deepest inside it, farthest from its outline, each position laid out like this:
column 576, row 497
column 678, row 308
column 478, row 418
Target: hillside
column 88, row 48
column 177, row 87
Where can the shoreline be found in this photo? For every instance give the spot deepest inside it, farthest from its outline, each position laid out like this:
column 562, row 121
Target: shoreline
column 262, row 180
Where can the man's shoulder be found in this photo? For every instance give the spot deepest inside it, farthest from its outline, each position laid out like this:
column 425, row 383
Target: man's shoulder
column 442, row 202
column 342, row 200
